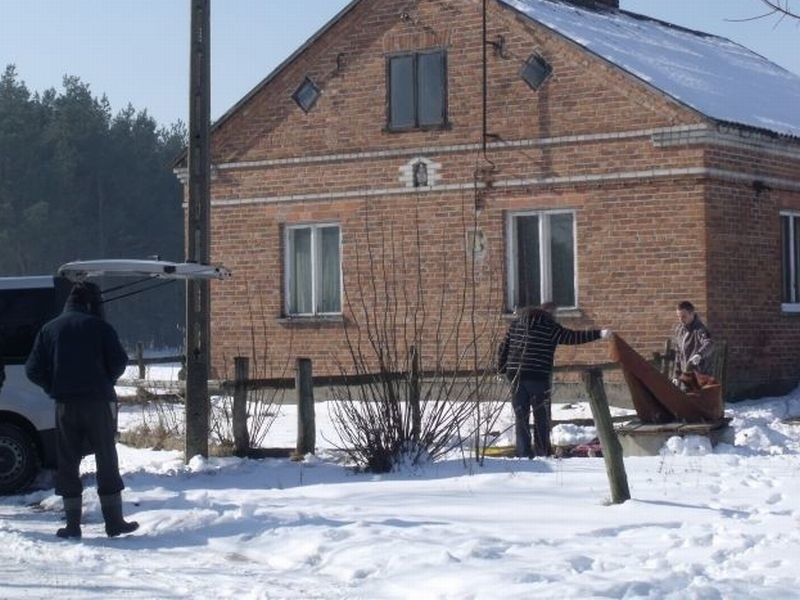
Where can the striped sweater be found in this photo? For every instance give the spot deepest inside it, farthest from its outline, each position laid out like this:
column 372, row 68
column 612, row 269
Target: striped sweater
column 530, row 343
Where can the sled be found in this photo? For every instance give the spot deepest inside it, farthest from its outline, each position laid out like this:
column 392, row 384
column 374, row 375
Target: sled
column 590, row 449
column 500, row 451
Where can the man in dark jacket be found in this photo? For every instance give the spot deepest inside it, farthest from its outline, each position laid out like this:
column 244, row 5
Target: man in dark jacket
column 526, row 357
column 77, row 358
column 692, row 344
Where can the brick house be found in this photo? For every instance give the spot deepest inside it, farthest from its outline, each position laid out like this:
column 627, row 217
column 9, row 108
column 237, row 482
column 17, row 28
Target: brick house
column 607, row 161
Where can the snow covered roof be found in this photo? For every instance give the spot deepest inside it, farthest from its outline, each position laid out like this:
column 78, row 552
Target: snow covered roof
column 719, row 78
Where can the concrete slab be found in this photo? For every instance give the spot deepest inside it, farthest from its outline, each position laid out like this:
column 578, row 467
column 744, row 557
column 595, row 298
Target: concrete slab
column 639, row 439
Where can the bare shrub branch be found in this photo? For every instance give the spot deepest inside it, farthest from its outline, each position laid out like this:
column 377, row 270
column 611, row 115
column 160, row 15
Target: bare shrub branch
column 783, row 9
column 420, row 357
column 263, row 402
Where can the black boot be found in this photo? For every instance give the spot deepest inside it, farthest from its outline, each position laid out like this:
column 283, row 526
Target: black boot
column 72, row 509
column 111, row 506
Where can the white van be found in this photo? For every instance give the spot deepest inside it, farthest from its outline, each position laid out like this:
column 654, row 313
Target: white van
column 27, row 414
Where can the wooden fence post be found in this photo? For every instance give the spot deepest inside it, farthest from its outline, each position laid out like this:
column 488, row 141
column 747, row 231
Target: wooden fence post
column 668, row 363
column 241, row 438
column 140, row 360
column 612, row 450
column 306, row 427
column 414, row 395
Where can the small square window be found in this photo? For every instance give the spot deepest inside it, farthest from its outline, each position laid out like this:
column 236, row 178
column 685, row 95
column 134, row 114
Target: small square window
column 535, row 71
column 306, row 95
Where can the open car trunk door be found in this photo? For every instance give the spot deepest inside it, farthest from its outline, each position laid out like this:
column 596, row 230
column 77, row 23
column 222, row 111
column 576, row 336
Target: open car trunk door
column 161, row 269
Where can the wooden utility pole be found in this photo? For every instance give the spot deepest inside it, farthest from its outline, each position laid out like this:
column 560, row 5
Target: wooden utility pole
column 198, row 302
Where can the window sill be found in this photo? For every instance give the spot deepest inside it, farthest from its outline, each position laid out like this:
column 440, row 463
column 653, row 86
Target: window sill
column 564, row 313
column 310, row 320
column 790, row 309
column 446, row 126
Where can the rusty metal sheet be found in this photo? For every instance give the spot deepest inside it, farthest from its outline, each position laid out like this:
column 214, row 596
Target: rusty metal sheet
column 656, row 399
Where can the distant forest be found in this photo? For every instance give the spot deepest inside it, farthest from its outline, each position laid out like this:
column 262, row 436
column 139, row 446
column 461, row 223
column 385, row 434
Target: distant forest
column 77, row 182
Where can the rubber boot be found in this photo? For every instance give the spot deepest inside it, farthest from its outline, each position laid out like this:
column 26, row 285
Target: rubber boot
column 111, row 506
column 72, row 509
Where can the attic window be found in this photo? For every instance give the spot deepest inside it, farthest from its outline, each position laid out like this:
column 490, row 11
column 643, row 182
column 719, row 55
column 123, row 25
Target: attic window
column 535, row 71
column 417, row 90
column 306, row 95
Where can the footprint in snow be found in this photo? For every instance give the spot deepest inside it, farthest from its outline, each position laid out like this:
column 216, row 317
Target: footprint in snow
column 581, row 563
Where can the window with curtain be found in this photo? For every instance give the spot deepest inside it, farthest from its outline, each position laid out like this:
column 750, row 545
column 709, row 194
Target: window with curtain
column 313, row 269
column 417, row 90
column 541, row 259
column 790, row 259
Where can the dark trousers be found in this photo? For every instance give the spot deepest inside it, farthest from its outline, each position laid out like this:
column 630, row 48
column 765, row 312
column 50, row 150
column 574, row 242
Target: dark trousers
column 77, row 424
column 532, row 394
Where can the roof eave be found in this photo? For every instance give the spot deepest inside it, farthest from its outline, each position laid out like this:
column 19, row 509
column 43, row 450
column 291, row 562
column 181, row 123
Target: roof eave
column 786, row 137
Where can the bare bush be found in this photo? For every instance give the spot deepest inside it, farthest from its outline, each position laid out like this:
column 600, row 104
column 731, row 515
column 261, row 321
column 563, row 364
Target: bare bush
column 263, row 401
column 420, row 346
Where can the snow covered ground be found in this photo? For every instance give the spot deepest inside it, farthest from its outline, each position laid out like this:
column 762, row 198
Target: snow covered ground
column 701, row 524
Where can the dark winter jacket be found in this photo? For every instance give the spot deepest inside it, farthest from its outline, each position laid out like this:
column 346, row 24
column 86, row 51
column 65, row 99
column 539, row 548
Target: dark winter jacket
column 692, row 339
column 77, row 357
column 530, row 344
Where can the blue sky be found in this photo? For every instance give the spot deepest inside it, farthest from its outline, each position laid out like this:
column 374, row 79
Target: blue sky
column 137, row 52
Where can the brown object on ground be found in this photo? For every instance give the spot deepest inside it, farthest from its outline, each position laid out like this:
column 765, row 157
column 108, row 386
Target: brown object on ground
column 657, row 400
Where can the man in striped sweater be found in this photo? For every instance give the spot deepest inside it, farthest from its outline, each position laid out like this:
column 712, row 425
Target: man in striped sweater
column 526, row 359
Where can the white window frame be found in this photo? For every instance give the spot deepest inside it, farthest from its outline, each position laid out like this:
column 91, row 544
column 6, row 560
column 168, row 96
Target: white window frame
column 790, row 307
column 545, row 262
column 315, row 270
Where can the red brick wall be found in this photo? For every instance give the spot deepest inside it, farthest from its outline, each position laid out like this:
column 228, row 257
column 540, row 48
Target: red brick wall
column 744, row 285
column 645, row 242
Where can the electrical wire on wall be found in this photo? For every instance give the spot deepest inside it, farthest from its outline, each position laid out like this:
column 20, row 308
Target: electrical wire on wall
column 485, row 88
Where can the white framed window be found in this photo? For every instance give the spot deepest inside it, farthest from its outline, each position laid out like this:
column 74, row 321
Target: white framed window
column 313, row 269
column 541, row 250
column 790, row 261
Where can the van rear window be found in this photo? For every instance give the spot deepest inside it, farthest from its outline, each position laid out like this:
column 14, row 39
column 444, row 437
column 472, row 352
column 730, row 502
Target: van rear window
column 23, row 311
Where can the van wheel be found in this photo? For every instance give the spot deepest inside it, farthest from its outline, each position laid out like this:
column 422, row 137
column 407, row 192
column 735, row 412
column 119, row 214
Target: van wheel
column 19, row 459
